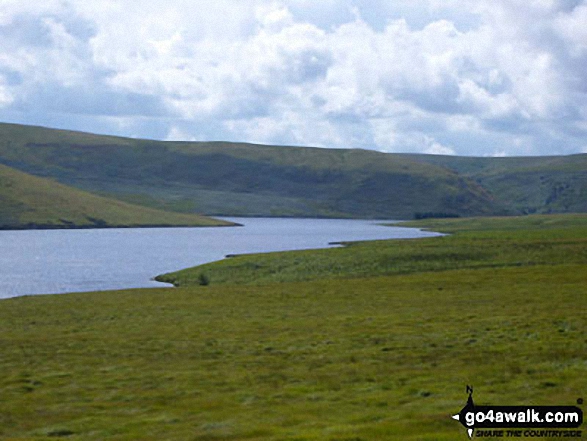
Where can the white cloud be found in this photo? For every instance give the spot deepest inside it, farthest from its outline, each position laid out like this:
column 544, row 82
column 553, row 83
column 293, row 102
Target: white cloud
column 488, row 105
column 436, row 148
column 441, row 77
column 178, row 134
column 573, row 27
column 5, row 96
column 289, row 128
column 497, row 154
column 273, row 16
column 386, row 134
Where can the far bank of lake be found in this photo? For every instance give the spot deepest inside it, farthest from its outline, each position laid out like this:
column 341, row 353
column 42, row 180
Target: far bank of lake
column 60, row 261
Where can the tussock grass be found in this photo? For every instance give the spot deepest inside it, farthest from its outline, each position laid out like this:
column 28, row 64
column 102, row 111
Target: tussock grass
column 367, row 357
column 480, row 243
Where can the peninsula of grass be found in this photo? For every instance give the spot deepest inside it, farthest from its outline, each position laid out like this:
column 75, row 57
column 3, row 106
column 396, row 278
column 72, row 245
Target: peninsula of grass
column 498, row 242
column 374, row 341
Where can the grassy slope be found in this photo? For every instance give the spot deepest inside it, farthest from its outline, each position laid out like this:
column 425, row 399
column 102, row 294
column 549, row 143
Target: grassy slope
column 481, row 243
column 530, row 184
column 27, row 201
column 245, row 179
column 365, row 357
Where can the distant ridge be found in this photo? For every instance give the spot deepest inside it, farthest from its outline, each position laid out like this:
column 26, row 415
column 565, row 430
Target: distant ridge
column 533, row 184
column 224, row 178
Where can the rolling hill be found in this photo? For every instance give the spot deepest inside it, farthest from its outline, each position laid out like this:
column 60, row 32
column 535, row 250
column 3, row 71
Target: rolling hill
column 223, row 178
column 28, row 202
column 219, row 178
column 547, row 184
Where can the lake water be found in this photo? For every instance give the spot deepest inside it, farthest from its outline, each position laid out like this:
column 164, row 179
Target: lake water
column 61, row 261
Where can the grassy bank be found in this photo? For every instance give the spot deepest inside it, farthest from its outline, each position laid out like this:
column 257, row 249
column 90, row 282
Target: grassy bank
column 379, row 352
column 30, row 202
column 480, row 243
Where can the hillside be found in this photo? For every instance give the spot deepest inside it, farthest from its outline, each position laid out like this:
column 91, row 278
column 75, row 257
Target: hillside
column 548, row 184
column 30, row 202
column 222, row 178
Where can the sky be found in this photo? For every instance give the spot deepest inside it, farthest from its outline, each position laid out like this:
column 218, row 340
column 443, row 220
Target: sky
column 453, row 77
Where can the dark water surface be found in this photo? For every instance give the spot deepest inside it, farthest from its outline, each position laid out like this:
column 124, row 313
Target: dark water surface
column 61, row 261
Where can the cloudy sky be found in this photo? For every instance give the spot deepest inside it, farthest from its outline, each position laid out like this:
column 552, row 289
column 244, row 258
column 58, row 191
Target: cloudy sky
column 465, row 77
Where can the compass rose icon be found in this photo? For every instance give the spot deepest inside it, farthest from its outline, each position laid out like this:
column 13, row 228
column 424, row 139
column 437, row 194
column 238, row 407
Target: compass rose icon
column 469, row 407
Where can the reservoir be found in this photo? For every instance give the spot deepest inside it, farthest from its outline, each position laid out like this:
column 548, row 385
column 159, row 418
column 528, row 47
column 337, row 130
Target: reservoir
column 61, row 261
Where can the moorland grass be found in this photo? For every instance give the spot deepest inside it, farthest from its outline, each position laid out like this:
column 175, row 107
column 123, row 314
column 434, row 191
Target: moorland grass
column 480, row 243
column 28, row 202
column 254, row 180
column 365, row 357
column 237, row 178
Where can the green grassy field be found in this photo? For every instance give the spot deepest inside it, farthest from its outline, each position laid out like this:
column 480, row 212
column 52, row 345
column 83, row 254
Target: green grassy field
column 481, row 243
column 374, row 341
